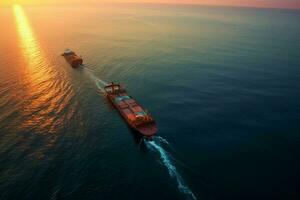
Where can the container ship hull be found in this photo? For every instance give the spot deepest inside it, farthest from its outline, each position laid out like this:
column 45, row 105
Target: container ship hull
column 135, row 116
column 74, row 60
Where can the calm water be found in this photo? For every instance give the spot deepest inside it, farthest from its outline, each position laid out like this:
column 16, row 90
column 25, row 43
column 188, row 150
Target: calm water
column 222, row 83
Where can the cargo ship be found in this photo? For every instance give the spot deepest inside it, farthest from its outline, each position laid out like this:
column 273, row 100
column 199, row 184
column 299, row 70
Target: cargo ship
column 135, row 116
column 74, row 60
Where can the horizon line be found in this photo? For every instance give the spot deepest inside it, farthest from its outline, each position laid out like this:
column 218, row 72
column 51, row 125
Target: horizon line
column 158, row 3
column 212, row 5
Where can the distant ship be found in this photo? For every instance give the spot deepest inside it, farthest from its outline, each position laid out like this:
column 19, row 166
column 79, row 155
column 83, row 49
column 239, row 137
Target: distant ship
column 136, row 117
column 74, row 60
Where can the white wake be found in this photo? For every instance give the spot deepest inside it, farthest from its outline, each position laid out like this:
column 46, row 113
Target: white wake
column 166, row 160
column 99, row 82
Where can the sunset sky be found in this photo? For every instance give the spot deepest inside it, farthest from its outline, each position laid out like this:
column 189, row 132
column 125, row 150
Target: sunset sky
column 253, row 3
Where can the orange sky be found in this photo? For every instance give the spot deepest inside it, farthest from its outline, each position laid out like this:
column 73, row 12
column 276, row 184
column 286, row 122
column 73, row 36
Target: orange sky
column 252, row 3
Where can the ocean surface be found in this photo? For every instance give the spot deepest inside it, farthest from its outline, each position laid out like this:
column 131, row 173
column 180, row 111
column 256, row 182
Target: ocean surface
column 222, row 83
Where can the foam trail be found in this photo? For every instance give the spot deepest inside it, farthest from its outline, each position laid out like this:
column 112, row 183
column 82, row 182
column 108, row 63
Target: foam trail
column 99, row 83
column 85, row 68
column 163, row 140
column 99, row 87
column 95, row 78
column 165, row 157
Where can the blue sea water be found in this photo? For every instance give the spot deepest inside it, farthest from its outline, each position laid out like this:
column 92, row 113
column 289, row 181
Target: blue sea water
column 222, row 83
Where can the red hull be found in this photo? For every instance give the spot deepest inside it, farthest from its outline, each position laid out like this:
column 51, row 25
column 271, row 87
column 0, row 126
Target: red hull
column 74, row 60
column 135, row 116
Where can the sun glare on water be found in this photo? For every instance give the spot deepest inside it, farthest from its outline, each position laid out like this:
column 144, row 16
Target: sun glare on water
column 28, row 43
column 37, row 65
column 40, row 77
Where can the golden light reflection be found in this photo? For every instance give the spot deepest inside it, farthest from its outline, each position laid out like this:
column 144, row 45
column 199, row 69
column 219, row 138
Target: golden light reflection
column 44, row 99
column 28, row 43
